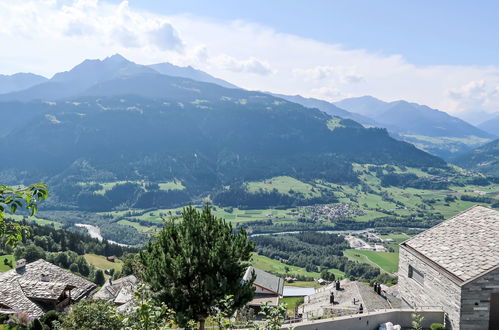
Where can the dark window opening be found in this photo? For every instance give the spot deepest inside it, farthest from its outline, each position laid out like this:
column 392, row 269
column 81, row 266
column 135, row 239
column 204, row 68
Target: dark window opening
column 416, row 275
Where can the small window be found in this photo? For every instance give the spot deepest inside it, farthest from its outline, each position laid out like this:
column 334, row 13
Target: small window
column 416, row 275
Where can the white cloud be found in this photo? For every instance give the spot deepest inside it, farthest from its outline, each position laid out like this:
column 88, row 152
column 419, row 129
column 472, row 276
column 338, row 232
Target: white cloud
column 476, row 95
column 328, row 93
column 251, row 65
column 337, row 74
column 47, row 36
column 166, row 38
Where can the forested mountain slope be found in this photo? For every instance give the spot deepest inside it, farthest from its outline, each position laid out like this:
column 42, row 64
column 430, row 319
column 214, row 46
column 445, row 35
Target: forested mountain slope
column 429, row 129
column 484, row 159
column 157, row 128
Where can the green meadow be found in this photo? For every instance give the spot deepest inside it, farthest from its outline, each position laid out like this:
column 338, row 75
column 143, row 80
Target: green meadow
column 387, row 261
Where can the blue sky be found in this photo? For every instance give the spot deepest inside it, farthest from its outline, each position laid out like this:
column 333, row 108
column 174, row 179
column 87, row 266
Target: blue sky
column 443, row 54
column 425, row 32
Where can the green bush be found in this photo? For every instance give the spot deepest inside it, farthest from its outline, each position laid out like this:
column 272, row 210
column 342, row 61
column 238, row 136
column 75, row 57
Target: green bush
column 92, row 315
column 437, row 326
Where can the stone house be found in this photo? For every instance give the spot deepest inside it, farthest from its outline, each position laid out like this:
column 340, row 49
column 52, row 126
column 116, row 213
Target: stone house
column 120, row 292
column 37, row 287
column 455, row 266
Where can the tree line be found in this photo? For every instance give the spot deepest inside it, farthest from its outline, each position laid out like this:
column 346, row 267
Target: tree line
column 315, row 252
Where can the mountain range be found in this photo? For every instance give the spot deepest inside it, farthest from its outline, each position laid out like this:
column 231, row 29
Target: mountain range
column 19, row 81
column 491, row 126
column 429, row 129
column 484, row 159
column 114, row 120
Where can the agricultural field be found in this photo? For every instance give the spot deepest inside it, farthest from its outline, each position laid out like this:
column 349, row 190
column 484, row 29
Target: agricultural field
column 387, row 261
column 234, row 215
column 304, row 284
column 35, row 219
column 3, row 266
column 285, row 185
column 363, row 205
column 107, row 186
column 101, row 262
column 397, row 239
column 277, row 267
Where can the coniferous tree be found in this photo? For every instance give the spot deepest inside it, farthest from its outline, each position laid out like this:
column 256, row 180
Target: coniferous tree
column 99, row 277
column 196, row 262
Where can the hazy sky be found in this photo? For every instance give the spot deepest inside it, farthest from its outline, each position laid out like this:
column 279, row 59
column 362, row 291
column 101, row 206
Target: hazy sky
column 441, row 53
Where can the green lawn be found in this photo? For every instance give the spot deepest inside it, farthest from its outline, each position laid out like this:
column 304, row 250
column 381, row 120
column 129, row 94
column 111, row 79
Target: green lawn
column 387, row 261
column 4, row 267
column 275, row 266
column 284, row 184
column 304, row 284
column 291, row 302
column 102, row 263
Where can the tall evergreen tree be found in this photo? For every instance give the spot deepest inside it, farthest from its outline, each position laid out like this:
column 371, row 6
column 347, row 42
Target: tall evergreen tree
column 194, row 263
column 99, row 277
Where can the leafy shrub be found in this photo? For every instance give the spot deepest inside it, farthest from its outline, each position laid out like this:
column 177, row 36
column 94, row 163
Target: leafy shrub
column 437, row 326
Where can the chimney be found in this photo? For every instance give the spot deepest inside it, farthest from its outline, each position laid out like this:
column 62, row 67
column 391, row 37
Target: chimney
column 45, row 277
column 21, row 264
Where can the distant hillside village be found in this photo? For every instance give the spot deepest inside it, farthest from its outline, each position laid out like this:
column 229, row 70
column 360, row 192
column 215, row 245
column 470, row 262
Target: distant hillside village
column 448, row 279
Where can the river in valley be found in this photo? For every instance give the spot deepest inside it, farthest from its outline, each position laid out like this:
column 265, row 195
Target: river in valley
column 94, row 232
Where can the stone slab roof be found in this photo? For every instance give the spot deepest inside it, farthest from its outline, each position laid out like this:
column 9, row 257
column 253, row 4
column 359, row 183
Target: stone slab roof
column 466, row 245
column 21, row 288
column 119, row 291
column 265, row 280
column 43, row 290
column 55, row 273
column 13, row 299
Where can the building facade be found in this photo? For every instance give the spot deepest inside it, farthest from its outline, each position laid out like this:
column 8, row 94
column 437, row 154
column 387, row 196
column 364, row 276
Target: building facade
column 455, row 266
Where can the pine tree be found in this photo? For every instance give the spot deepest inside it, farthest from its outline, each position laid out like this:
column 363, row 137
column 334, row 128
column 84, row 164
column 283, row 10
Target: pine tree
column 195, row 263
column 99, row 277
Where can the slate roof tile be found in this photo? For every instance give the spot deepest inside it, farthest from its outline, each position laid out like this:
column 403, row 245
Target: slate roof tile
column 465, row 245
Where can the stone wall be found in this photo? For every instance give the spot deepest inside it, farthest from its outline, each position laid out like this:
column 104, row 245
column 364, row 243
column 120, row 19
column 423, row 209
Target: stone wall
column 476, row 301
column 370, row 321
column 437, row 290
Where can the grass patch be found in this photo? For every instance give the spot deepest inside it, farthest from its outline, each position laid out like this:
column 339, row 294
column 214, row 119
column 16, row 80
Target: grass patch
column 284, row 185
column 304, row 284
column 291, row 302
column 171, row 185
column 397, row 239
column 334, row 123
column 38, row 221
column 102, row 263
column 3, row 266
column 138, row 226
column 387, row 261
column 277, row 267
column 106, row 186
